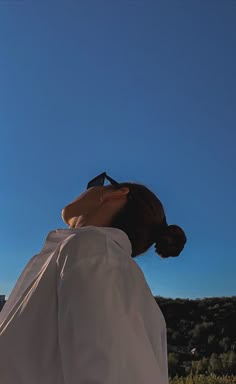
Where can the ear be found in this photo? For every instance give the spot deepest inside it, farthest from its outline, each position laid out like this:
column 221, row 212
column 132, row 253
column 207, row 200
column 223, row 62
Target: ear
column 115, row 194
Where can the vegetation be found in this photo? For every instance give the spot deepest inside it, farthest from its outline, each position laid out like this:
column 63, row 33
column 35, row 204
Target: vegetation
column 201, row 337
column 202, row 379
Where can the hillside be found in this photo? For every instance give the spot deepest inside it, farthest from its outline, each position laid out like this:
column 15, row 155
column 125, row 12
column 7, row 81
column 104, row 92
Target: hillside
column 201, row 331
column 209, row 324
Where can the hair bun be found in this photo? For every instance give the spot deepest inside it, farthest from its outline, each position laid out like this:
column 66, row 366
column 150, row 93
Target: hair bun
column 170, row 241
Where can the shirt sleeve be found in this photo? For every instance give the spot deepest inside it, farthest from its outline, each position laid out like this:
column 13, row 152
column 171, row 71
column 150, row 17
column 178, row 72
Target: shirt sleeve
column 101, row 333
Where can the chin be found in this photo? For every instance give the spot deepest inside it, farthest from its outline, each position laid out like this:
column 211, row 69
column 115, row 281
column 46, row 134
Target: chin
column 63, row 215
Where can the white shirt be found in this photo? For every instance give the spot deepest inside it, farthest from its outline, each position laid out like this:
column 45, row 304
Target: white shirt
column 82, row 313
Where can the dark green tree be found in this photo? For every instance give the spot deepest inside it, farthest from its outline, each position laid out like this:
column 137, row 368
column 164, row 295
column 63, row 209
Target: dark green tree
column 215, row 365
column 203, row 364
column 173, row 363
column 224, row 357
column 225, row 344
column 232, row 362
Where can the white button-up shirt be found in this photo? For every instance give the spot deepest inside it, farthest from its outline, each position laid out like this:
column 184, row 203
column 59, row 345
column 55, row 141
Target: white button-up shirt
column 82, row 313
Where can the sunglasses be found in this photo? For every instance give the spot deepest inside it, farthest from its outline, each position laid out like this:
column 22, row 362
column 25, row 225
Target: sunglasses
column 100, row 180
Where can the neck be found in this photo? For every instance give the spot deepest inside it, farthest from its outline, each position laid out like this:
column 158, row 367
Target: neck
column 85, row 221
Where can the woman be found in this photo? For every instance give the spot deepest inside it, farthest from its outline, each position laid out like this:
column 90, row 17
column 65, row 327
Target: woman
column 81, row 311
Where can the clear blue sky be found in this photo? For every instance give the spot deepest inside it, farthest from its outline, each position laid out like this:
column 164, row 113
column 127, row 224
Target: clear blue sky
column 144, row 90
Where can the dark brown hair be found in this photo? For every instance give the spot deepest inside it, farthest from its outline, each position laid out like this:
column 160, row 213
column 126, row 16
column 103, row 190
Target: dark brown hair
column 143, row 220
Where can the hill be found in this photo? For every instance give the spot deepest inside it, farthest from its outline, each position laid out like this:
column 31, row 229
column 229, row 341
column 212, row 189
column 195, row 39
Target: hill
column 200, row 333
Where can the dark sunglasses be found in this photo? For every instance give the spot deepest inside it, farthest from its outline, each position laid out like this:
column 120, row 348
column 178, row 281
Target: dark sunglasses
column 100, row 180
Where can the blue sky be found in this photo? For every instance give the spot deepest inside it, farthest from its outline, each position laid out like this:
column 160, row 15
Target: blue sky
column 144, row 90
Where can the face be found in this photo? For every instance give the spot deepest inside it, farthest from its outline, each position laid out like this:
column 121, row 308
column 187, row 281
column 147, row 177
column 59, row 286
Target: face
column 95, row 206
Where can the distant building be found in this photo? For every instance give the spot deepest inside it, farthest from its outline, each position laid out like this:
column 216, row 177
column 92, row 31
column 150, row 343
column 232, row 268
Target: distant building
column 2, row 301
column 193, row 351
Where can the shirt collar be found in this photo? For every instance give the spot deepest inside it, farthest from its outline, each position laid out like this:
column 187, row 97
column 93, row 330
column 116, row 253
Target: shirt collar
column 115, row 234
